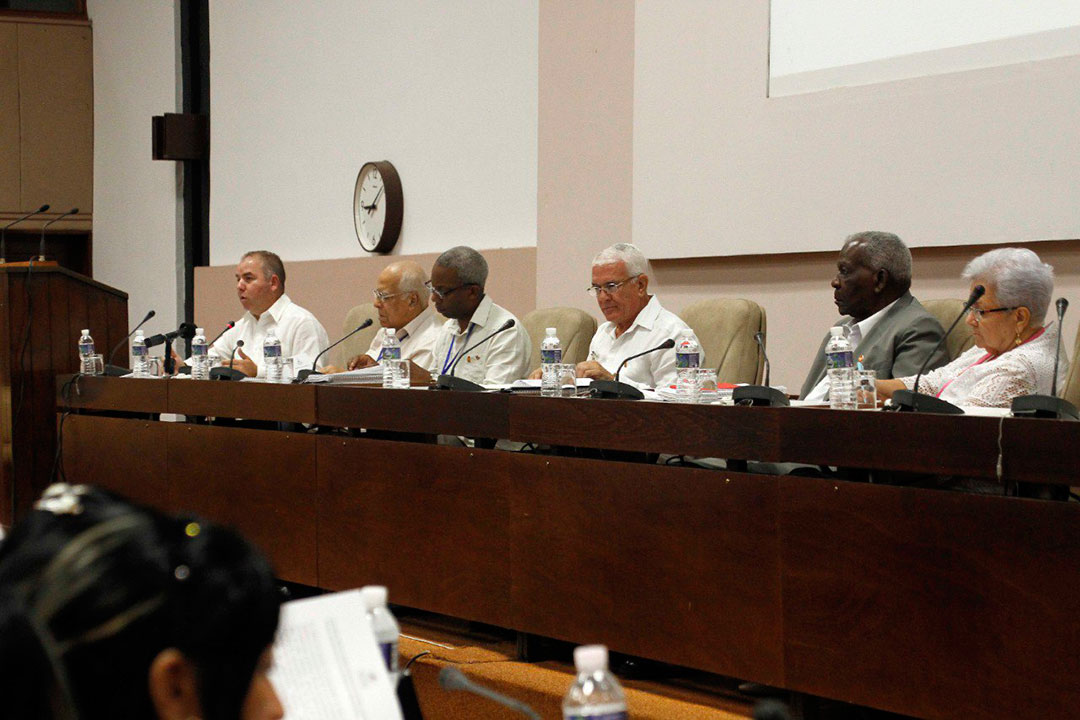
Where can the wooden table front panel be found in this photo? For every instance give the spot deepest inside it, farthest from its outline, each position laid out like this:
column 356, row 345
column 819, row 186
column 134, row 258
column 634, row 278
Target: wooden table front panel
column 477, row 414
column 261, row 482
column 934, row 604
column 669, row 563
column 122, row 455
column 248, row 400
column 428, row 521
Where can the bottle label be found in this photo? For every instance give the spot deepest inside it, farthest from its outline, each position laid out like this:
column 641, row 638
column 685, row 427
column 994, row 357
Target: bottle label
column 835, row 360
column 687, row 360
column 139, row 351
column 391, row 353
column 550, row 356
column 271, row 351
column 198, row 351
column 86, row 348
column 387, row 650
column 621, row 715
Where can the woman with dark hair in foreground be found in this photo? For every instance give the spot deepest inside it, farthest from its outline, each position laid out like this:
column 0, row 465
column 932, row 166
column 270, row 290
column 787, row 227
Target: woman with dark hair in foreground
column 111, row 610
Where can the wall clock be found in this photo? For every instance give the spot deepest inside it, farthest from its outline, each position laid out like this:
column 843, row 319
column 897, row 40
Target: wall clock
column 377, row 206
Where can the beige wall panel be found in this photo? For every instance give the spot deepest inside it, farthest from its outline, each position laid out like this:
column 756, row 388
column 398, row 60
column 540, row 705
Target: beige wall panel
column 329, row 288
column 57, row 123
column 9, row 120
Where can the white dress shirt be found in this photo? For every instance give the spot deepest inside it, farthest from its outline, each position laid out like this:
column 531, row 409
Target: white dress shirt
column 652, row 326
column 417, row 338
column 302, row 336
column 856, row 332
column 502, row 359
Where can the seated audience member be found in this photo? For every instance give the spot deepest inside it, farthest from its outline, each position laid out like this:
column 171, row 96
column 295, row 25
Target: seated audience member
column 457, row 284
column 635, row 322
column 109, row 610
column 260, row 285
column 890, row 330
column 1014, row 351
column 402, row 301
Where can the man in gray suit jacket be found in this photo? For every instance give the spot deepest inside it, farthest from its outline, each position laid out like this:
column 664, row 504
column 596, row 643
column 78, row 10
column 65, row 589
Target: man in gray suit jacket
column 891, row 331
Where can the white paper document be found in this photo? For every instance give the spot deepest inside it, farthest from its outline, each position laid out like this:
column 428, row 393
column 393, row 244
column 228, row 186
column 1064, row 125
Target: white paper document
column 327, row 663
column 364, row 376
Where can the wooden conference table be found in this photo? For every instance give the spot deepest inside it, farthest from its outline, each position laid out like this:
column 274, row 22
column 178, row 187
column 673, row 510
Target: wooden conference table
column 923, row 602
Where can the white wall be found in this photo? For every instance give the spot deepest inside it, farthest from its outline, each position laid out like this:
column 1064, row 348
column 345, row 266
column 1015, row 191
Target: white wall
column 304, row 93
column 136, row 227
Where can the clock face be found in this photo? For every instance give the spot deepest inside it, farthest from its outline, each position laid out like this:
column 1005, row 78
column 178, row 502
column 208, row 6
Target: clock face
column 377, row 206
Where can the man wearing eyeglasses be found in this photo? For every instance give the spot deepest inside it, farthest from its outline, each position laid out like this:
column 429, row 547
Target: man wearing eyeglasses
column 635, row 321
column 457, row 286
column 402, row 302
column 891, row 331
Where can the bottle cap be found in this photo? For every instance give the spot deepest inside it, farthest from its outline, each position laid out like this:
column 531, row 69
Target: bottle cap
column 551, row 331
column 590, row 658
column 837, row 330
column 138, row 333
column 373, row 596
column 86, row 331
column 200, row 331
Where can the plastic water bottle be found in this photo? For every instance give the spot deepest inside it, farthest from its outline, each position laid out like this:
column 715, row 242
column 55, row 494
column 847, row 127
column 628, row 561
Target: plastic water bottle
column 200, row 360
column 272, row 356
column 384, row 626
column 389, row 358
column 550, row 355
column 595, row 694
column 86, row 349
column 840, row 366
column 140, row 365
column 687, row 360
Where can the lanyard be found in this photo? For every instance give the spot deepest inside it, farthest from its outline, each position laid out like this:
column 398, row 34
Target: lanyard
column 464, row 344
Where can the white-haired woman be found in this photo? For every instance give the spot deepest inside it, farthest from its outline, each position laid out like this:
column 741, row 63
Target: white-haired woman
column 1014, row 350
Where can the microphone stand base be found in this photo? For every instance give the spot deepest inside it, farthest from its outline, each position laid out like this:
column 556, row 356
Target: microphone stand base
column 762, row 395
column 614, row 390
column 305, row 374
column 452, row 382
column 226, row 373
column 1044, row 406
column 116, row 371
column 909, row 401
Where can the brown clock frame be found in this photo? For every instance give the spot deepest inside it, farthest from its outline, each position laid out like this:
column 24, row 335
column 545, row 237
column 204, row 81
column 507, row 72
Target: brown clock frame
column 395, row 206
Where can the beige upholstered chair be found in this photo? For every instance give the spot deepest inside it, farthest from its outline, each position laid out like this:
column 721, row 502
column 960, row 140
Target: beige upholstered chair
column 946, row 311
column 1071, row 391
column 725, row 327
column 574, row 327
column 359, row 342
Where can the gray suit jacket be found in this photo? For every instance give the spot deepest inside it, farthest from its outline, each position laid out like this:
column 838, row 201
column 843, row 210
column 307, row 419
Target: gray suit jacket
column 895, row 347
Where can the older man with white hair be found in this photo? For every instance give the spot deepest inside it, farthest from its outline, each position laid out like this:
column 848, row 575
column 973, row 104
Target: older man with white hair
column 635, row 322
column 402, row 303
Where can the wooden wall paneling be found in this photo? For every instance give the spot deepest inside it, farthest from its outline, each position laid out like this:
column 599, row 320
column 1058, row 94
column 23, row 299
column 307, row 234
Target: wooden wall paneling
column 252, row 401
column 117, row 312
column 62, row 344
column 423, row 411
column 41, row 389
column 430, row 522
column 674, row 564
column 261, row 482
column 7, row 405
column 10, row 199
column 126, row 456
column 929, row 603
column 57, row 119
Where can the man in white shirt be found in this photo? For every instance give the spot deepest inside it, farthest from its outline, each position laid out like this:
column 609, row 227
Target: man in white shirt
column 402, row 301
column 635, row 322
column 260, row 285
column 457, row 284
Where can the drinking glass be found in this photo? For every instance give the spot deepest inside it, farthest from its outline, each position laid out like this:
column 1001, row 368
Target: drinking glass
column 865, row 390
column 566, row 377
column 708, row 390
column 403, row 374
column 93, row 365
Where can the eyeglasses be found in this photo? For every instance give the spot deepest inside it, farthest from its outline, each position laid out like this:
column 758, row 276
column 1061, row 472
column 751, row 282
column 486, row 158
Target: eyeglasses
column 441, row 294
column 381, row 296
column 610, row 288
column 978, row 313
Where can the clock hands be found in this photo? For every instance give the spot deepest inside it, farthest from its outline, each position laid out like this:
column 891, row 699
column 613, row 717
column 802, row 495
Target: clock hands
column 374, row 203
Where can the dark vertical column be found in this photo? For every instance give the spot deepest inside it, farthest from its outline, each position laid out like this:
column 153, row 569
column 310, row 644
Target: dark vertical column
column 195, row 68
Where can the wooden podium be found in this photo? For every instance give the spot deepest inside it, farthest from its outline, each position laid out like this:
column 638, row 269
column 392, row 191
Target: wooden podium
column 42, row 310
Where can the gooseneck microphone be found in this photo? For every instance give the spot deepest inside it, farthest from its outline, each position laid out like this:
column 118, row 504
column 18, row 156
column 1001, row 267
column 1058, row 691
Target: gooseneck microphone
column 228, row 372
column 305, row 373
column 764, row 395
column 450, row 382
column 230, row 326
column 111, row 369
column 3, row 232
column 914, row 401
column 1049, row 406
column 41, row 246
column 613, row 389
column 450, row 678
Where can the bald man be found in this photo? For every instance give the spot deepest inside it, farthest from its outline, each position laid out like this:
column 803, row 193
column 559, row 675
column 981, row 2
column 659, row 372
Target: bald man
column 402, row 301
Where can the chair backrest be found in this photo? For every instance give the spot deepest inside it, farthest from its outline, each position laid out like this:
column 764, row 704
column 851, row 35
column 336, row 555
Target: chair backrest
column 946, row 311
column 1071, row 391
column 361, row 341
column 574, row 327
column 725, row 327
